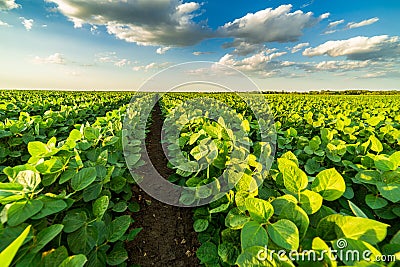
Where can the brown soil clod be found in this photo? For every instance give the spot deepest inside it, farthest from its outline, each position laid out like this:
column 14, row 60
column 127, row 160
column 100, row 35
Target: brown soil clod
column 167, row 238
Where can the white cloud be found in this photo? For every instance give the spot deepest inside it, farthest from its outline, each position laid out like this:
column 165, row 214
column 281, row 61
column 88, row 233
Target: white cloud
column 28, row 23
column 151, row 66
column 161, row 22
column 8, row 4
column 382, row 47
column 243, row 48
column 325, row 16
column 261, row 64
column 162, row 50
column 335, row 23
column 363, row 23
column 111, row 57
column 343, row 65
column 330, row 31
column 123, row 62
column 270, row 25
column 4, row 24
column 199, row 53
column 56, row 58
column 298, row 47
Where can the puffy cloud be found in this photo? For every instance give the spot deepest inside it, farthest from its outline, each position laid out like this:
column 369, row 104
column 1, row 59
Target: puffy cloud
column 382, row 47
column 325, row 16
column 158, row 22
column 298, row 47
column 8, row 4
column 162, row 50
column 363, row 23
column 56, row 58
column 271, row 25
column 243, row 48
column 262, row 64
column 4, row 24
column 151, row 66
column 28, row 23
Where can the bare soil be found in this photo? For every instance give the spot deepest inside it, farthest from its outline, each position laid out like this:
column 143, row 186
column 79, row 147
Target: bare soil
column 167, row 238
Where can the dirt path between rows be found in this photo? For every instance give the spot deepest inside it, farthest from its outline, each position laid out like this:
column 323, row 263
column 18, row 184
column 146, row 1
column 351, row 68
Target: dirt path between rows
column 167, row 238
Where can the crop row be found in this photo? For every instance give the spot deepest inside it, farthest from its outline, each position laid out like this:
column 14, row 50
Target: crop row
column 327, row 149
column 73, row 196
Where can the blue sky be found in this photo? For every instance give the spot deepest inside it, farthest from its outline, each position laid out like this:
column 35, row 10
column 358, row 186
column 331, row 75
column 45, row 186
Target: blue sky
column 281, row 45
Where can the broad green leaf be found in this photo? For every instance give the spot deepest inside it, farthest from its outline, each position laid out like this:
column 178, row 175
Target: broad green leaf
column 207, row 253
column 395, row 158
column 294, row 178
column 74, row 261
column 100, row 206
column 55, row 257
column 390, row 191
column 329, row 184
column 92, row 191
column 91, row 133
column 384, row 163
column 375, row 202
column 83, row 240
column 200, row 225
column 50, row 206
column 83, row 178
column 117, row 183
column 368, row 177
column 133, row 233
column 376, row 145
column 117, row 255
column 291, row 156
column 8, row 254
column 37, row 149
column 374, row 121
column 228, row 253
column 253, row 234
column 118, row 227
column 19, row 212
column 356, row 228
column 74, row 220
column 259, row 209
column 236, row 219
column 310, row 201
column 28, row 179
column 120, row 206
column 45, row 236
column 285, row 234
column 297, row 215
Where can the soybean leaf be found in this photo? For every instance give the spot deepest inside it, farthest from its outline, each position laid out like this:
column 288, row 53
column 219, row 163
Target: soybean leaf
column 329, row 184
column 285, row 234
column 83, row 178
column 253, row 234
column 19, row 212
